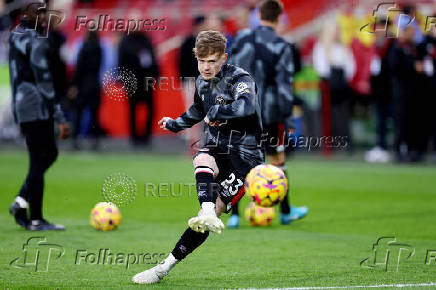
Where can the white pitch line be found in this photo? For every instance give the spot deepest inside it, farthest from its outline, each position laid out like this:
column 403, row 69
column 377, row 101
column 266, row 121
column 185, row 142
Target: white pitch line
column 356, row 286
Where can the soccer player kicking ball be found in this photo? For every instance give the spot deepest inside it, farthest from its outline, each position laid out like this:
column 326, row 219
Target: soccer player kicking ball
column 225, row 98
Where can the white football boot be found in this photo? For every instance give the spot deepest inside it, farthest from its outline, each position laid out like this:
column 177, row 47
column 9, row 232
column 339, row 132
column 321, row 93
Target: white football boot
column 150, row 276
column 206, row 220
column 156, row 273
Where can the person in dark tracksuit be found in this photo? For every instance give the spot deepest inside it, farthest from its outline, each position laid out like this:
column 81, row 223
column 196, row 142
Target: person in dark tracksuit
column 37, row 111
column 268, row 58
column 86, row 86
column 381, row 94
column 427, row 54
column 404, row 80
column 136, row 54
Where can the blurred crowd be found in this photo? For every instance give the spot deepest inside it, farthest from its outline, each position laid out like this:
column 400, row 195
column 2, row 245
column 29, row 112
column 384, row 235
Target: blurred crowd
column 385, row 69
column 393, row 68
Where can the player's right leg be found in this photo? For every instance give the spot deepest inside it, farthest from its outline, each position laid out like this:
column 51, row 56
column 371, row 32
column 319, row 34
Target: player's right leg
column 206, row 170
column 207, row 220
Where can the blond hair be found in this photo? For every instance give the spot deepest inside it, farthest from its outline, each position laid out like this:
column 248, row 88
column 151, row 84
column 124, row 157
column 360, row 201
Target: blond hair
column 210, row 42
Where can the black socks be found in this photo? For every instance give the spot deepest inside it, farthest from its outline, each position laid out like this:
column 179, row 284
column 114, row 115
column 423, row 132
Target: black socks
column 189, row 241
column 207, row 188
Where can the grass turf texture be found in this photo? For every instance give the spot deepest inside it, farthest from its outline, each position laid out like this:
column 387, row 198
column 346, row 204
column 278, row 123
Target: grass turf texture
column 351, row 205
column 4, row 82
column 4, row 75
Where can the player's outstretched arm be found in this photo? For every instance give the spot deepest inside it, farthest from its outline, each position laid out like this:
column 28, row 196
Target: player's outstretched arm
column 244, row 92
column 188, row 119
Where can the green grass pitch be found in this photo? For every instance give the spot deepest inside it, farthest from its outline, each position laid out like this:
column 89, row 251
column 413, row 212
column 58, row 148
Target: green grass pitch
column 351, row 204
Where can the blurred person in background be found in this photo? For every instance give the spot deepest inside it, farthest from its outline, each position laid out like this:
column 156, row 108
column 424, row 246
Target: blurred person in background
column 307, row 87
column 381, row 92
column 136, row 54
column 272, row 67
column 334, row 62
column 297, row 117
column 36, row 109
column 86, row 89
column 242, row 18
column 424, row 101
column 187, row 60
column 215, row 22
column 189, row 72
column 58, row 67
column 404, row 69
column 427, row 54
column 254, row 19
column 420, row 107
column 5, row 24
column 410, row 12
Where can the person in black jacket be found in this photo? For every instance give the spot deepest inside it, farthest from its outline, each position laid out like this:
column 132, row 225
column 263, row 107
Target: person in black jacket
column 188, row 72
column 187, row 61
column 86, row 86
column 427, row 52
column 136, row 54
column 381, row 94
column 269, row 59
column 36, row 109
column 404, row 77
column 426, row 64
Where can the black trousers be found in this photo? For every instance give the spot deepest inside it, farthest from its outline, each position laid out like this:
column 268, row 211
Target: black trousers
column 42, row 149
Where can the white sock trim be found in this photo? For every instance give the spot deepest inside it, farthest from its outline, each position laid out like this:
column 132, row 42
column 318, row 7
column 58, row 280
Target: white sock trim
column 169, row 263
column 21, row 202
column 208, row 208
column 203, row 169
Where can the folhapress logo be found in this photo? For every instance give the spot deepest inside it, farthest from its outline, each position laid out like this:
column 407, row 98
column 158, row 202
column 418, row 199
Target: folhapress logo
column 38, row 254
column 53, row 17
column 386, row 251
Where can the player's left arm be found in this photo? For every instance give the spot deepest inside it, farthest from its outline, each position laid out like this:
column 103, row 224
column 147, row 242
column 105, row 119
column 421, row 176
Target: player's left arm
column 244, row 104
